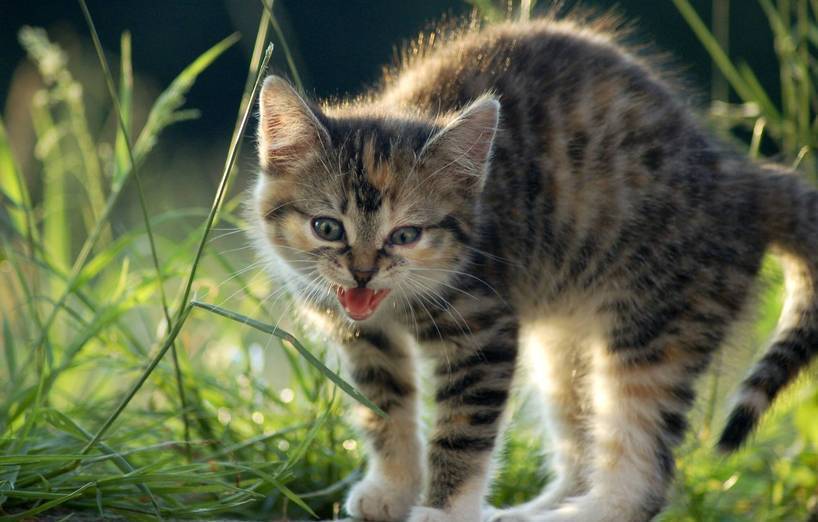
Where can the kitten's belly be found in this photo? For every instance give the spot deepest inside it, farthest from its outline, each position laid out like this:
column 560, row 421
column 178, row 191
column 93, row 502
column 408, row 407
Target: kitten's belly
column 555, row 352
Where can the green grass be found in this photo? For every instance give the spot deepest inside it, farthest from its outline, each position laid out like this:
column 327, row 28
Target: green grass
column 791, row 124
column 123, row 395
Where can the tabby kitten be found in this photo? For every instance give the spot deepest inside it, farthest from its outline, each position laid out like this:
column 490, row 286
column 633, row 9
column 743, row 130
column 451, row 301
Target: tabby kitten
column 532, row 199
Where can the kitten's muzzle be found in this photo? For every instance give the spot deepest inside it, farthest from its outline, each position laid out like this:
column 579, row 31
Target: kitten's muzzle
column 363, row 275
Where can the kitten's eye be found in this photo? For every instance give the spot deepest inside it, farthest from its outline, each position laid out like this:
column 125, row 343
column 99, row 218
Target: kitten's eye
column 404, row 235
column 328, row 229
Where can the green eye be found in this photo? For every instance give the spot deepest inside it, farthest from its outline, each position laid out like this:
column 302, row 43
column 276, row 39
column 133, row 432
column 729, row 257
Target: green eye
column 404, row 235
column 328, row 229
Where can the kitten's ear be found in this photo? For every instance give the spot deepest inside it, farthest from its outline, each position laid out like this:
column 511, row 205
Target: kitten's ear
column 289, row 133
column 463, row 147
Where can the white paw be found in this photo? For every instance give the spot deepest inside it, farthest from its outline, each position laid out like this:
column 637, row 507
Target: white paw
column 427, row 514
column 375, row 498
column 515, row 514
column 535, row 509
column 588, row 508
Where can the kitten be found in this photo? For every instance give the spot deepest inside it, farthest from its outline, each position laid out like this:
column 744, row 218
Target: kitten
column 528, row 198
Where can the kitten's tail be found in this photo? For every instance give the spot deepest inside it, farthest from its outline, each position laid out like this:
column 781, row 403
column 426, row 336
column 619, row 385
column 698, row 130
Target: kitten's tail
column 789, row 209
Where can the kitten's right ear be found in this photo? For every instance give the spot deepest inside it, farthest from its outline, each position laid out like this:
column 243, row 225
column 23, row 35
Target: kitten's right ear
column 289, row 133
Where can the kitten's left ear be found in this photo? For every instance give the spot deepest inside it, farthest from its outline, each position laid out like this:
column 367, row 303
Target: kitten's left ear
column 289, row 133
column 463, row 147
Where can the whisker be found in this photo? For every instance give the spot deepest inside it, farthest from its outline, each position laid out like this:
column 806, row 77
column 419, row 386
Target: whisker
column 434, row 323
column 447, row 285
column 439, row 334
column 300, row 251
column 447, row 307
column 236, row 274
column 225, row 234
column 465, row 274
column 494, row 257
column 411, row 311
column 230, row 250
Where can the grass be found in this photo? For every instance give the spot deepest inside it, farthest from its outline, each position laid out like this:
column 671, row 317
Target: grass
column 123, row 395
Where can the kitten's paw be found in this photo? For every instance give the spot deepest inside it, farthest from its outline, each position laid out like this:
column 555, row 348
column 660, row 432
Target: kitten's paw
column 515, row 514
column 376, row 498
column 427, row 514
column 553, row 496
column 590, row 508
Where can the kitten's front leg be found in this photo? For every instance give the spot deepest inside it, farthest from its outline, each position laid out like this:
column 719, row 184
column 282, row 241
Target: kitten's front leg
column 474, row 376
column 382, row 367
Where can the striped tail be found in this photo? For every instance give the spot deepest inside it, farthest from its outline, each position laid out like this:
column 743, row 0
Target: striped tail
column 790, row 217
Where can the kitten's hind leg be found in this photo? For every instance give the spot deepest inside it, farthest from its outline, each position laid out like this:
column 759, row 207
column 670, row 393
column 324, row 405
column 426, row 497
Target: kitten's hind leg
column 641, row 384
column 383, row 368
column 553, row 366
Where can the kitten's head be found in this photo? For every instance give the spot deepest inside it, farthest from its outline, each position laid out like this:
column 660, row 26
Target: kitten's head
column 363, row 208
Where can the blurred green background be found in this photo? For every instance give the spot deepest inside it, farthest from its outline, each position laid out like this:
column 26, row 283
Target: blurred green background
column 233, row 422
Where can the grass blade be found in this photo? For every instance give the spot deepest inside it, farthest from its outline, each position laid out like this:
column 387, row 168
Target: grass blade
column 56, row 229
column 126, row 105
column 268, row 8
column 160, row 116
column 720, row 58
column 45, row 506
column 66, row 424
column 11, row 183
column 177, row 327
column 286, row 336
column 228, row 168
column 8, row 348
column 122, row 119
column 164, row 111
column 171, row 337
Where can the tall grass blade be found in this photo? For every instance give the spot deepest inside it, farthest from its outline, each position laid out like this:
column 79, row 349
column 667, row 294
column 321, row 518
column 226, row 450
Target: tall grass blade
column 9, row 350
column 162, row 114
column 275, row 482
column 238, row 132
column 66, row 424
column 295, row 343
column 755, row 87
column 268, row 8
column 65, row 93
column 13, row 186
column 56, row 222
column 177, row 327
column 123, row 132
column 252, row 73
column 166, row 109
column 122, row 163
column 721, row 59
column 123, row 403
column 45, row 506
column 758, row 133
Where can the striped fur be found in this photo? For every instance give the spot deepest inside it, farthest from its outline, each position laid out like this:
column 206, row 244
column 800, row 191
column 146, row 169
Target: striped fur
column 578, row 229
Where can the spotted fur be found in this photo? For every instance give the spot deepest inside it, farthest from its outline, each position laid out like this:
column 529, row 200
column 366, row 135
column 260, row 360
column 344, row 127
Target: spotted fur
column 579, row 227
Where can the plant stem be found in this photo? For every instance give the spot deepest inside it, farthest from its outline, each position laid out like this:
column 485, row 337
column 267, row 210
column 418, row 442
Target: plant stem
column 228, row 167
column 287, row 54
column 109, row 81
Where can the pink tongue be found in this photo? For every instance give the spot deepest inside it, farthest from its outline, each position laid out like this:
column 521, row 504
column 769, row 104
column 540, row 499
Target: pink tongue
column 360, row 303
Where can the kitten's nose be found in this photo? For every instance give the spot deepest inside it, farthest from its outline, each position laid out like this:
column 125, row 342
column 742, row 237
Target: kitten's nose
column 363, row 275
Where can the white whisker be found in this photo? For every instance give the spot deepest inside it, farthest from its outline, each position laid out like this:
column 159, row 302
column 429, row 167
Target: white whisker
column 225, row 234
column 429, row 294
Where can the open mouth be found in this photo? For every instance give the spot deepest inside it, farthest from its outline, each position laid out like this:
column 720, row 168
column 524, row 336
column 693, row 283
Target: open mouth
column 360, row 303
